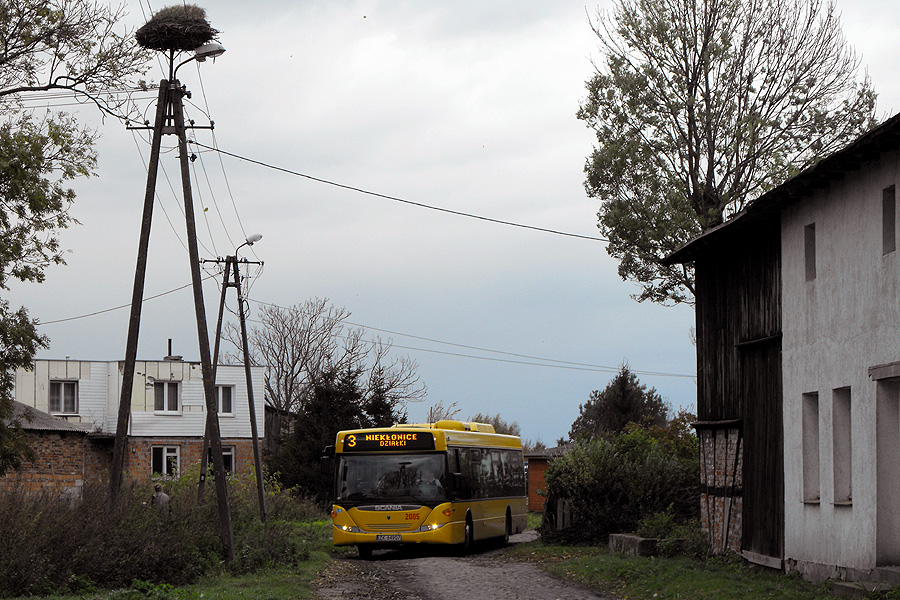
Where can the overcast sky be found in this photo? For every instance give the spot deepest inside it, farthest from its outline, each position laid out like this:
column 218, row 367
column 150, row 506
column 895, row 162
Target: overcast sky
column 466, row 105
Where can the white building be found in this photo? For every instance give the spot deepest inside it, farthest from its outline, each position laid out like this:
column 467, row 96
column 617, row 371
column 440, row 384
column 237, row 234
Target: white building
column 168, row 409
column 798, row 352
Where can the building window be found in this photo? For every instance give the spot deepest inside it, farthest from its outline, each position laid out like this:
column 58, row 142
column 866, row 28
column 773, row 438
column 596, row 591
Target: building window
column 810, row 435
column 225, row 396
column 888, row 221
column 64, row 397
column 843, row 448
column 164, row 461
column 227, row 458
column 809, row 247
column 165, row 396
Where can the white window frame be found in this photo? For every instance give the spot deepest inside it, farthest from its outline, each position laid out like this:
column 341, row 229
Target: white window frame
column 219, row 390
column 168, row 387
column 60, row 409
column 228, row 452
column 165, row 454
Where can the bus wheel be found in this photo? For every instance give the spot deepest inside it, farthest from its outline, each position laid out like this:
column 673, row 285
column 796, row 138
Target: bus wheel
column 365, row 552
column 508, row 529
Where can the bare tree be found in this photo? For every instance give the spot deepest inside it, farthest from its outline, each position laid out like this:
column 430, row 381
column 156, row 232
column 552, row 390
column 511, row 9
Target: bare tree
column 439, row 412
column 297, row 345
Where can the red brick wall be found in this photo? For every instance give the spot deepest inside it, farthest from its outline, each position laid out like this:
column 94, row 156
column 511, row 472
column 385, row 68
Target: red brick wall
column 138, row 455
column 537, row 466
column 721, row 481
column 63, row 463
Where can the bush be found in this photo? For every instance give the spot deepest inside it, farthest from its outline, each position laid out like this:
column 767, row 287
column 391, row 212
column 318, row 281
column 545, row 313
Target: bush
column 48, row 545
column 674, row 537
column 611, row 483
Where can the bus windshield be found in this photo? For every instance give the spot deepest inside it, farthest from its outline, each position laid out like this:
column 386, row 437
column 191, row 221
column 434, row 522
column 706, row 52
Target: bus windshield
column 392, row 478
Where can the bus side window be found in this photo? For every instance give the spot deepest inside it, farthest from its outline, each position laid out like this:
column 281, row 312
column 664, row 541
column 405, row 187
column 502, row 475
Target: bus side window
column 497, row 483
column 486, row 480
column 465, row 468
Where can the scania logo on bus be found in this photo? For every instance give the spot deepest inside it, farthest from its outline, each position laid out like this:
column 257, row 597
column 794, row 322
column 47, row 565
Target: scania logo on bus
column 406, row 440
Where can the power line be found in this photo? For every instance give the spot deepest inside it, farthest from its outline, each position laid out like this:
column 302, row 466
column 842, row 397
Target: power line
column 561, row 364
column 120, row 307
column 527, row 359
column 402, row 200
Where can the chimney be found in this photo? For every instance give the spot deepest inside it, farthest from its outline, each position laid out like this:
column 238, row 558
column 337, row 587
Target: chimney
column 170, row 356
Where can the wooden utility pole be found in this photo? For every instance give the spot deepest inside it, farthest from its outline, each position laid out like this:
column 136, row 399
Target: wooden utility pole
column 232, row 266
column 170, row 120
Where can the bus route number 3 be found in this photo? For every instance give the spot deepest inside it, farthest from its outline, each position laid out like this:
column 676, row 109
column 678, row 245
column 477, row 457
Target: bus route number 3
column 412, row 516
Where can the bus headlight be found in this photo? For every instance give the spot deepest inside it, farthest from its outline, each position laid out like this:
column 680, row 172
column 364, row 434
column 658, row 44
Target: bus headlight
column 431, row 527
column 348, row 528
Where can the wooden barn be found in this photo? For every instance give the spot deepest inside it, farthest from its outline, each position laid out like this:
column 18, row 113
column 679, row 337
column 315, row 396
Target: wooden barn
column 798, row 367
column 739, row 391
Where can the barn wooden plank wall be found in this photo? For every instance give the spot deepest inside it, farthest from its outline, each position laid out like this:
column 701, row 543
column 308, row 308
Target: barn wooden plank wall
column 738, row 291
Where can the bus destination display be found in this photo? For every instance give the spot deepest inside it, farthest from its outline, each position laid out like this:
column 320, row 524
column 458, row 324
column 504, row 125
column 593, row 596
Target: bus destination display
column 400, row 441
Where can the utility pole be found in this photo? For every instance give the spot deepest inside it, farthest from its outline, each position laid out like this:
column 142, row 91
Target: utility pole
column 170, row 120
column 232, row 266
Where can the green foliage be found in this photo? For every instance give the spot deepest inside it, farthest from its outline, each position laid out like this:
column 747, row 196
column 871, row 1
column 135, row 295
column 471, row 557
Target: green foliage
column 700, row 107
column 611, row 483
column 675, row 537
column 72, row 45
column 623, row 401
column 49, row 546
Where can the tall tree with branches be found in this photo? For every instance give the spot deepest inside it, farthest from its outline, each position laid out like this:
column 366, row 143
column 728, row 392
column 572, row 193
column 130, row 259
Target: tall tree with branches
column 700, row 106
column 303, row 345
column 73, row 46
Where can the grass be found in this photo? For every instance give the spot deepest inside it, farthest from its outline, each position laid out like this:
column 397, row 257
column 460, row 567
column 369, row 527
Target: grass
column 643, row 578
column 277, row 583
column 637, row 578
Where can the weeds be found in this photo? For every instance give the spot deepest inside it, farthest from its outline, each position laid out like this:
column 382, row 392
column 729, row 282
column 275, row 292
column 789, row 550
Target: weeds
column 52, row 546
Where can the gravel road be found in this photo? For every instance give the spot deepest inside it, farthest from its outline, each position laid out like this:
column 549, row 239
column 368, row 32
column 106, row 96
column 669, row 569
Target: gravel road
column 435, row 574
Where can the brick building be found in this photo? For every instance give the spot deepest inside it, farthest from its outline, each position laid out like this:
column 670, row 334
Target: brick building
column 76, row 408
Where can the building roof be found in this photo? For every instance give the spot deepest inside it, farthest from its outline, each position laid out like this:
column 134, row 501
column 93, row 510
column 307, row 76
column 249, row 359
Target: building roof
column 33, row 419
column 883, row 138
column 548, row 452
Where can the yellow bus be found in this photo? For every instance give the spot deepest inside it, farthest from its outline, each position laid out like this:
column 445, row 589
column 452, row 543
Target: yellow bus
column 435, row 483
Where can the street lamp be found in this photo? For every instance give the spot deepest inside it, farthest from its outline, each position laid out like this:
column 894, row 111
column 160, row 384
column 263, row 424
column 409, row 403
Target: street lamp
column 211, row 50
column 251, row 239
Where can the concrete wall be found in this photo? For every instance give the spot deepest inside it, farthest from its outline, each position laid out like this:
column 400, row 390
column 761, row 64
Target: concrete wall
column 837, row 325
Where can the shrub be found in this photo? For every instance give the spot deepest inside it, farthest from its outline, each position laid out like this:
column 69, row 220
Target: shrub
column 611, row 483
column 48, row 545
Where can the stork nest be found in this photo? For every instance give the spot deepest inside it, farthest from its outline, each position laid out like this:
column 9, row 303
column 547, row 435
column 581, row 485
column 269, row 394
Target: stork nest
column 180, row 28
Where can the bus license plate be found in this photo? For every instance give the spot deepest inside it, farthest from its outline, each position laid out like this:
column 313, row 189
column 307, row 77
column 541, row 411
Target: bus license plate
column 387, row 538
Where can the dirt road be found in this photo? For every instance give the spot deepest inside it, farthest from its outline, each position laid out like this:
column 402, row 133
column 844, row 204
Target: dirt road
column 433, row 574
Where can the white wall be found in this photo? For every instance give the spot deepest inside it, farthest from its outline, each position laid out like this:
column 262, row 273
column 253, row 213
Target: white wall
column 99, row 386
column 835, row 328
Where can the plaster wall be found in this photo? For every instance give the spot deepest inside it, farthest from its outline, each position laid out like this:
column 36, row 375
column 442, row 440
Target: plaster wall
column 98, row 396
column 836, row 326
